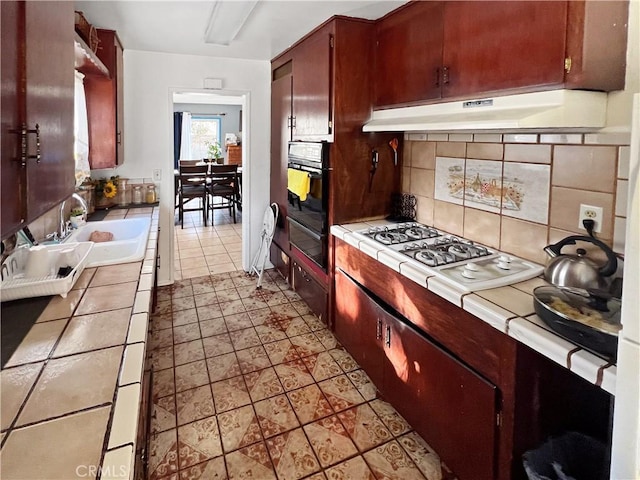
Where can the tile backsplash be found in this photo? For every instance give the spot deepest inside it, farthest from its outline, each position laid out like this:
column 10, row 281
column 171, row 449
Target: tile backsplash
column 518, row 192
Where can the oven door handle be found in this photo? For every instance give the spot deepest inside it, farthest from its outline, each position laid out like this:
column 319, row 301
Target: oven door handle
column 307, row 230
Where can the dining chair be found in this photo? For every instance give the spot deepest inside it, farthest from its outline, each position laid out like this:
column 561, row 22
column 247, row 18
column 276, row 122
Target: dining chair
column 223, row 186
column 193, row 185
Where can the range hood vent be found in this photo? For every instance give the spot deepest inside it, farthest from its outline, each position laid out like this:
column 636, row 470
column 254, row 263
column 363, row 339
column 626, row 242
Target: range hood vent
column 555, row 110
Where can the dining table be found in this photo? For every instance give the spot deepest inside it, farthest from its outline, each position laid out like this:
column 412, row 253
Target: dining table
column 238, row 200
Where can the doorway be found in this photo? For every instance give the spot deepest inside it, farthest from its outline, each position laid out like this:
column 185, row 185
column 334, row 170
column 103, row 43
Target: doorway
column 211, row 120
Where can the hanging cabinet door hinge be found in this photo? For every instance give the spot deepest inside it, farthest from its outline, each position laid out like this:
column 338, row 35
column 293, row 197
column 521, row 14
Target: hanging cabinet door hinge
column 331, row 41
column 567, row 65
column 499, row 419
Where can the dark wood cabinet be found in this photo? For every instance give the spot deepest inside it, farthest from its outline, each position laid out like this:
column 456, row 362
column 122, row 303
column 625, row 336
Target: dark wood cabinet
column 493, row 46
column 431, row 50
column 37, row 109
column 452, row 407
column 105, row 105
column 310, row 290
column 281, row 113
column 280, row 261
column 409, row 54
column 312, row 87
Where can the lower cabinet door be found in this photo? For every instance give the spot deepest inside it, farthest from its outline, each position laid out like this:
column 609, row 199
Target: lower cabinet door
column 310, row 291
column 452, row 407
column 358, row 326
column 448, row 404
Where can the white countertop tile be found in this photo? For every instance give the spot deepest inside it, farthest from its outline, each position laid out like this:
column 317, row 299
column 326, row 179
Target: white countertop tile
column 529, row 285
column 488, row 312
column 511, row 299
column 609, row 376
column 352, row 240
column 541, row 340
column 138, row 328
column 414, row 273
column 445, row 290
column 118, row 464
column 338, row 231
column 148, row 266
column 369, row 249
column 146, row 282
column 586, row 364
column 390, row 259
column 142, row 302
column 125, row 416
column 132, row 364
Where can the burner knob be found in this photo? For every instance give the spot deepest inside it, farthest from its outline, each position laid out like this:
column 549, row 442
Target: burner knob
column 471, row 267
column 504, row 265
column 504, row 258
column 468, row 274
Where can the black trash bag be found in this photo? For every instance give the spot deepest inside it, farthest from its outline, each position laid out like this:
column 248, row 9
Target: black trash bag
column 571, row 456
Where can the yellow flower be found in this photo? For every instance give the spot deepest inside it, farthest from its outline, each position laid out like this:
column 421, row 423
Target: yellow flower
column 110, row 190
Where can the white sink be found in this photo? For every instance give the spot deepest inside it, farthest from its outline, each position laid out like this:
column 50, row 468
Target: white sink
column 129, row 242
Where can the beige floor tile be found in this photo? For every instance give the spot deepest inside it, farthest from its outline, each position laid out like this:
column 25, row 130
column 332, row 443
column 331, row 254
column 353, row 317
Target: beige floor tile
column 309, row 403
column 188, row 352
column 191, row 375
column 426, row 459
column 211, row 469
column 222, row 367
column 391, row 462
column 275, row 415
column 250, row 462
column 110, row 297
column 263, row 384
column 217, row 259
column 213, row 248
column 194, row 404
column 198, row 441
column 186, row 253
column 163, row 414
column 239, row 428
column 353, row 469
column 38, row 343
column 184, row 317
column 217, row 345
column 194, row 272
column 292, row 455
column 221, row 268
column 47, row 450
column 341, row 393
column 390, row 417
column 84, row 279
column 365, row 427
column 193, row 263
column 330, row 441
column 230, row 394
column 95, row 331
column 73, row 383
column 15, row 384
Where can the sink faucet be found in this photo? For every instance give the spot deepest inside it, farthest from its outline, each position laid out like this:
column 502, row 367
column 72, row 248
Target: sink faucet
column 63, row 228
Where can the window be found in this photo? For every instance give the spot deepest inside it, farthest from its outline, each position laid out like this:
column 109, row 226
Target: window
column 204, row 130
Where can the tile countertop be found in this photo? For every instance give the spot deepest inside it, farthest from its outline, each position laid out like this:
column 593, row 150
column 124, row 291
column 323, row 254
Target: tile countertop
column 70, row 393
column 508, row 309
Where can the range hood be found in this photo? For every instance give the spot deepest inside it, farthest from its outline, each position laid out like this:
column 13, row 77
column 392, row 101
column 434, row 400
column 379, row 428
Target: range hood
column 555, row 110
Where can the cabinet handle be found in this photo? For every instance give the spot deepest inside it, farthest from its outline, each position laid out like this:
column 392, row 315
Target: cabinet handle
column 388, row 341
column 378, row 329
column 445, row 75
column 438, row 77
column 24, row 143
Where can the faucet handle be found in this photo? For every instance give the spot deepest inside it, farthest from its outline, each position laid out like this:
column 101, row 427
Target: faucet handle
column 53, row 236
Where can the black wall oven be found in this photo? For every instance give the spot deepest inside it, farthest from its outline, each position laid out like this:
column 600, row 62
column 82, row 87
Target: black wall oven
column 308, row 199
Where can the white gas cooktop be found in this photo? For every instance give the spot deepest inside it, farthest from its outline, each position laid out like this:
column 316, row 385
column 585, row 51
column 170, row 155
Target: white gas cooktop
column 464, row 264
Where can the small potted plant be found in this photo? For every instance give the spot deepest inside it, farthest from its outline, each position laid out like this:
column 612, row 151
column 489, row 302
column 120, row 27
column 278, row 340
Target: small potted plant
column 77, row 217
column 214, row 151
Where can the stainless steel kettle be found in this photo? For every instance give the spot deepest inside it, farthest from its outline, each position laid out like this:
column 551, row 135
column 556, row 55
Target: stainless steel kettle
column 577, row 270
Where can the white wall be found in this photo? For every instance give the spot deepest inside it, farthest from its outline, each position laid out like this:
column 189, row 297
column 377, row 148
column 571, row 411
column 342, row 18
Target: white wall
column 149, row 80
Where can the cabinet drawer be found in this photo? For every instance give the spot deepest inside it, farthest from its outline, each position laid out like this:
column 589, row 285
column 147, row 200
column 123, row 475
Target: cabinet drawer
column 310, row 291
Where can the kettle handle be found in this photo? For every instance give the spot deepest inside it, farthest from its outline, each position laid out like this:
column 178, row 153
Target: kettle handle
column 606, row 270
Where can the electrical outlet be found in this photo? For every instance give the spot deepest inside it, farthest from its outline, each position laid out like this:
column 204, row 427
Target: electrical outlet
column 589, row 212
column 157, row 175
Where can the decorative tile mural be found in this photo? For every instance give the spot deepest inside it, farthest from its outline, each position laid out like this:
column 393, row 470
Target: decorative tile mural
column 449, row 180
column 526, row 191
column 483, row 185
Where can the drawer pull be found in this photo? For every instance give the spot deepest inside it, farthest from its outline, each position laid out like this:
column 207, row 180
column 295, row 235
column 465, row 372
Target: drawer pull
column 388, row 342
column 378, row 329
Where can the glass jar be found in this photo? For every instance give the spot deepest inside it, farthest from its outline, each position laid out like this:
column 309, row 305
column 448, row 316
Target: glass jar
column 151, row 194
column 137, row 195
column 122, row 192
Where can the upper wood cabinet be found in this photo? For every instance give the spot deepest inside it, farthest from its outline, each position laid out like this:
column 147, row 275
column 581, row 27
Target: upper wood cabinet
column 409, row 54
column 105, row 105
column 431, row 50
column 37, row 167
column 312, row 86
